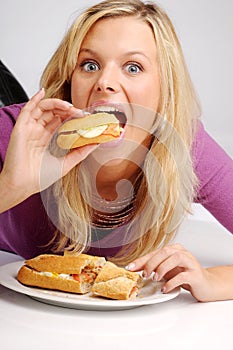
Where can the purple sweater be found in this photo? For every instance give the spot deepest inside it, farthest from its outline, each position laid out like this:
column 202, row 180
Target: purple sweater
column 26, row 229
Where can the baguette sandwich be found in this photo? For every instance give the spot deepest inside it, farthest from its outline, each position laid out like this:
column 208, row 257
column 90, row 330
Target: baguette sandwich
column 94, row 128
column 114, row 282
column 74, row 274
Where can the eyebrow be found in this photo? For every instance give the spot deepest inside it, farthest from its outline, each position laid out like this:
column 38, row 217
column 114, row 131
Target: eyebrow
column 128, row 53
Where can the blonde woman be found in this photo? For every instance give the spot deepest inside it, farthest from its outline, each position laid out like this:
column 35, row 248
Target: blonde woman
column 125, row 199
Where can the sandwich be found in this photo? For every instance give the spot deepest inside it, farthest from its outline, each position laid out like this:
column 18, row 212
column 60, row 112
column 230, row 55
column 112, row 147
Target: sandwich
column 81, row 274
column 114, row 282
column 68, row 273
column 92, row 129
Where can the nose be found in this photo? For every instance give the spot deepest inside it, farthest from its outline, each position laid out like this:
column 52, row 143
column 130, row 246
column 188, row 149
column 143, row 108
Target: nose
column 107, row 82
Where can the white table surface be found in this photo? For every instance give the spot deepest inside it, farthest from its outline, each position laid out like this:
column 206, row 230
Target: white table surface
column 181, row 323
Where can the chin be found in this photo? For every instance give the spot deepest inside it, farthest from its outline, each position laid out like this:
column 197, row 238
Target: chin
column 114, row 163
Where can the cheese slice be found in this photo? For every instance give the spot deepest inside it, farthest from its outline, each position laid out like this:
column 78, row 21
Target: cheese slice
column 92, row 132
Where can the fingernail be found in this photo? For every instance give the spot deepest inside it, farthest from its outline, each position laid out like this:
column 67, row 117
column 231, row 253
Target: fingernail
column 163, row 289
column 80, row 114
column 42, row 90
column 69, row 104
column 131, row 266
column 155, row 277
column 144, row 274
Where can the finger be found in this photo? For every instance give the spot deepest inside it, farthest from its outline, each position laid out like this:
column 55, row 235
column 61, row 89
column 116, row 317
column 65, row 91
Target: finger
column 45, row 116
column 31, row 105
column 49, row 104
column 53, row 125
column 170, row 274
column 141, row 263
column 160, row 256
column 51, row 121
column 36, row 98
column 177, row 260
column 138, row 264
column 183, row 278
column 58, row 106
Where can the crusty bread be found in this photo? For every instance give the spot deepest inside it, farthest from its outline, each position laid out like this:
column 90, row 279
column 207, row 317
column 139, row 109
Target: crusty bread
column 97, row 261
column 61, row 264
column 69, row 273
column 68, row 136
column 80, row 273
column 33, row 278
column 116, row 283
column 111, row 271
column 89, row 121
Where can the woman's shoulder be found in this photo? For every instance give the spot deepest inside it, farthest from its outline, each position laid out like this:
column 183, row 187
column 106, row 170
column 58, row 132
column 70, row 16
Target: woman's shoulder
column 10, row 113
column 212, row 165
column 8, row 117
column 206, row 151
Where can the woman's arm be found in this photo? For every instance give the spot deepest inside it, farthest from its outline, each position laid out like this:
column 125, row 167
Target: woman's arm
column 222, row 279
column 180, row 268
column 28, row 166
column 10, row 196
column 214, row 169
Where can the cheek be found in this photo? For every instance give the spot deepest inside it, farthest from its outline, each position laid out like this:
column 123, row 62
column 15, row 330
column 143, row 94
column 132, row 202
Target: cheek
column 79, row 92
column 148, row 94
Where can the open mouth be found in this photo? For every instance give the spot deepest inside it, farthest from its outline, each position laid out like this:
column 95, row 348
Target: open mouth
column 120, row 115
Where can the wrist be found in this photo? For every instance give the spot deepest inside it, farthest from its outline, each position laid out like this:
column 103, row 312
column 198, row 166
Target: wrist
column 10, row 193
column 220, row 278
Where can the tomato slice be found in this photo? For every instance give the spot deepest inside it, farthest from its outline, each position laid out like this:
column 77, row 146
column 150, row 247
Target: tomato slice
column 76, row 277
column 84, row 276
column 112, row 130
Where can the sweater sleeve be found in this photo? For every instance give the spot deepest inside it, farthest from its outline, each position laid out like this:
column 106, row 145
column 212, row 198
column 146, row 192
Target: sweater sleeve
column 214, row 169
column 8, row 117
column 24, row 229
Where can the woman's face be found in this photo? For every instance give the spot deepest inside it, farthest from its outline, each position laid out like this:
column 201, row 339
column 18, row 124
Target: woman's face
column 117, row 66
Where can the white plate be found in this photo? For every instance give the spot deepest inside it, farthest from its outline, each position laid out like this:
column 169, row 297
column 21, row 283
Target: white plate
column 150, row 294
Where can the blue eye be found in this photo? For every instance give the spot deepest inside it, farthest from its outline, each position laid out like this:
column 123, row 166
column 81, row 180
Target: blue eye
column 90, row 66
column 133, row 68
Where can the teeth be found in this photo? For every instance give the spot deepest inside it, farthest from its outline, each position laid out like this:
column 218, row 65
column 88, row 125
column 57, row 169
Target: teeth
column 106, row 109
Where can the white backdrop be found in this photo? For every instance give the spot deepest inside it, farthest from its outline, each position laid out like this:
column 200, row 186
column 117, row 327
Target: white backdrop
column 31, row 30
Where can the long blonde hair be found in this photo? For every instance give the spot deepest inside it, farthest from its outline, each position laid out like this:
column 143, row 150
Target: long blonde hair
column 166, row 191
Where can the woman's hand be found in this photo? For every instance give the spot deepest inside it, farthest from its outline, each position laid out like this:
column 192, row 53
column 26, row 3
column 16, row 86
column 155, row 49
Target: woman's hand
column 29, row 167
column 180, row 268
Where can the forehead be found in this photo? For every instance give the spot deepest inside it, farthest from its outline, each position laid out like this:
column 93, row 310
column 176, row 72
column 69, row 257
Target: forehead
column 119, row 32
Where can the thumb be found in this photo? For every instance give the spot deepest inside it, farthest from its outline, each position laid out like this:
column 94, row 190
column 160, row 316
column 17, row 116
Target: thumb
column 52, row 168
column 75, row 157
